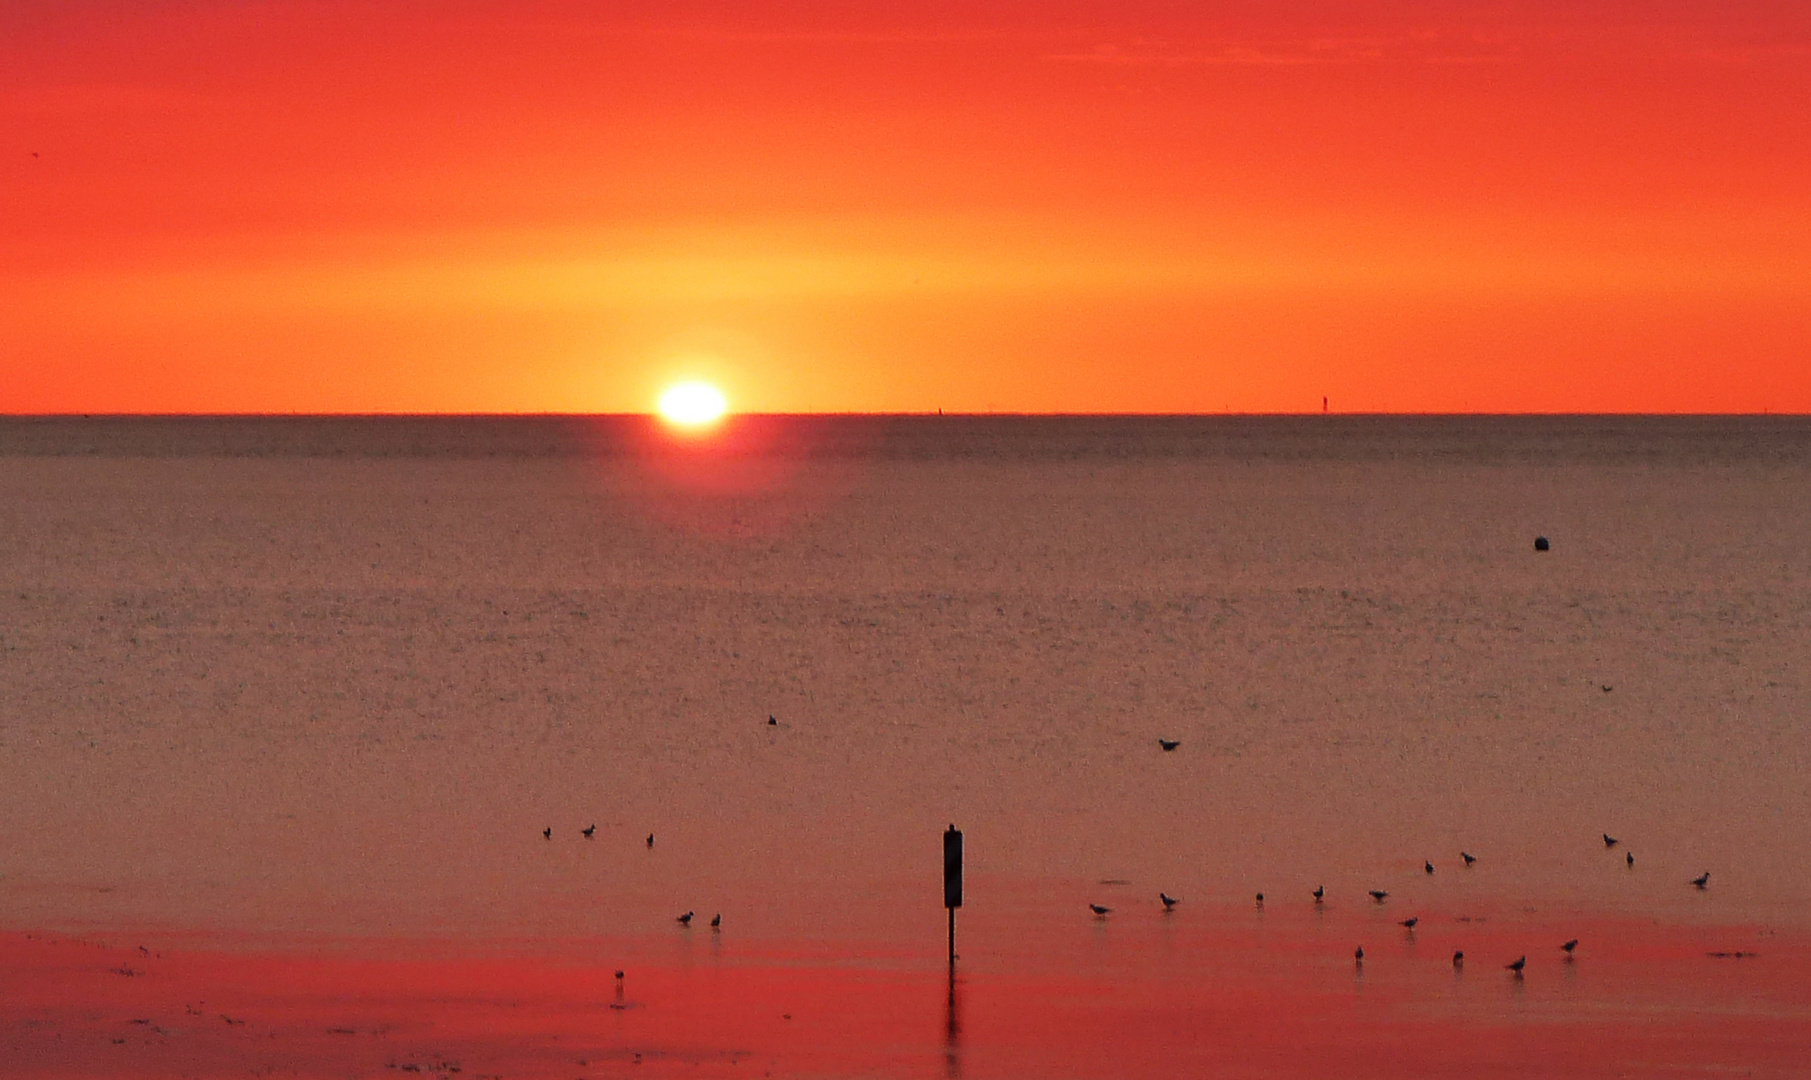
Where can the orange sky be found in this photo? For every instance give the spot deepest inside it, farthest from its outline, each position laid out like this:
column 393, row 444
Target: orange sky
column 487, row 206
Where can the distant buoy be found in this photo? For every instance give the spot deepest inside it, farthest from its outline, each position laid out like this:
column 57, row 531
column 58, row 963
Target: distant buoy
column 1540, row 543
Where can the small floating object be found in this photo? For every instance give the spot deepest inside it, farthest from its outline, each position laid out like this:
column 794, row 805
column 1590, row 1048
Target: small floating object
column 1540, row 543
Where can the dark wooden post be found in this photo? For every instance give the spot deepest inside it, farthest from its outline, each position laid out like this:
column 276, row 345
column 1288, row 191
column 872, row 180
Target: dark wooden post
column 952, row 880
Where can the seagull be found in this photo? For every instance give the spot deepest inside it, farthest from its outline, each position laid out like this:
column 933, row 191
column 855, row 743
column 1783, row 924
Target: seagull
column 1629, row 857
column 589, row 830
column 1378, row 895
column 1702, row 879
column 1568, row 947
column 1320, row 893
column 1409, row 923
column 1099, row 910
column 1468, row 857
column 1459, row 958
column 1169, row 744
column 547, row 833
column 1610, row 841
column 685, row 920
column 1428, row 866
column 717, row 921
column 1168, row 900
column 1520, row 963
column 650, row 839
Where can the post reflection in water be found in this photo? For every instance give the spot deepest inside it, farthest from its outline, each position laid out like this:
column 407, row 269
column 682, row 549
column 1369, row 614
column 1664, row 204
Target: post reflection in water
column 952, row 1030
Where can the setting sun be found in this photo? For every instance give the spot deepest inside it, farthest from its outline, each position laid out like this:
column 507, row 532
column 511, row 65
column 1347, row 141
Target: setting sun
column 692, row 404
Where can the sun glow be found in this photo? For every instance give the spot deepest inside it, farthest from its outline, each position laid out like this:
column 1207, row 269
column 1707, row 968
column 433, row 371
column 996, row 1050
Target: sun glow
column 692, row 404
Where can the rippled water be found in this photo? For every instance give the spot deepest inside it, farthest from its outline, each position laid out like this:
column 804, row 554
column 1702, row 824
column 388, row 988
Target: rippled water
column 335, row 677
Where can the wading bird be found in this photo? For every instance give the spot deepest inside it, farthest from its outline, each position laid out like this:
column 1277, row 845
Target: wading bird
column 1568, row 947
column 685, row 920
column 1520, row 963
column 1168, row 900
column 1468, row 857
column 1610, row 841
column 1702, row 879
column 1320, row 893
column 589, row 830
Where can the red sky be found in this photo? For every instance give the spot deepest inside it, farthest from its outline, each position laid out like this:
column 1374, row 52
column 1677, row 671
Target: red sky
column 1171, row 207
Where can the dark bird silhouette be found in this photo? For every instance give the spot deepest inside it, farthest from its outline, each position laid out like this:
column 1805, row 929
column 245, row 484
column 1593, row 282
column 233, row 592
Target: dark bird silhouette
column 1541, row 544
column 1409, row 923
column 717, row 921
column 1629, row 857
column 589, row 830
column 771, row 722
column 685, row 920
column 1378, row 895
column 547, row 833
column 1320, row 893
column 1427, row 866
column 1468, row 857
column 1568, row 947
column 1260, row 899
column 1607, row 688
column 1702, row 879
column 1169, row 744
column 1358, row 954
column 1610, row 841
column 1099, row 910
column 650, row 839
column 1459, row 958
column 1168, row 900
column 1520, row 963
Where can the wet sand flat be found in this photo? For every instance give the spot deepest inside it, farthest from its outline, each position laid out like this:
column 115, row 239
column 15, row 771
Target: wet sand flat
column 270, row 684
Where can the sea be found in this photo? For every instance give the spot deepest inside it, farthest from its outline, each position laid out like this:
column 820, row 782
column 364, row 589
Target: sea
column 364, row 683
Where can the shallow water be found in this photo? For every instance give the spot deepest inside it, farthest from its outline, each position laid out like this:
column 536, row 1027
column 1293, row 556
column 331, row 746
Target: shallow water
column 297, row 679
